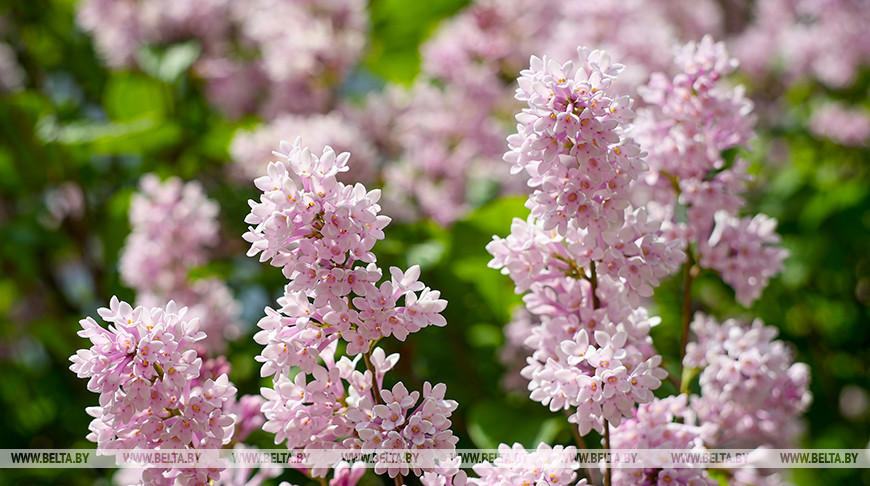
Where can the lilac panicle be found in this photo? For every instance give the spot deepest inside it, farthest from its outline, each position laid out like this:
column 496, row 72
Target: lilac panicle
column 152, row 394
column 588, row 251
column 174, row 227
column 321, row 232
column 750, row 386
column 691, row 119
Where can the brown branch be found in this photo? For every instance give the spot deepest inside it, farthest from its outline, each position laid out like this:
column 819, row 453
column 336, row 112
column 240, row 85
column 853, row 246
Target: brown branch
column 687, row 304
column 375, row 392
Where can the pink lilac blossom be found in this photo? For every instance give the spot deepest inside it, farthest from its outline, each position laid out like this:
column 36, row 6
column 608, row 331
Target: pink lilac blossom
column 791, row 39
column 148, row 375
column 663, row 424
column 745, row 252
column 690, row 121
column 321, row 232
column 446, row 154
column 337, row 406
column 333, row 129
column 750, row 386
column 570, row 143
column 244, row 45
column 546, row 465
column 121, row 27
column 599, row 374
column 173, row 227
column 849, row 126
column 586, row 255
column 448, row 167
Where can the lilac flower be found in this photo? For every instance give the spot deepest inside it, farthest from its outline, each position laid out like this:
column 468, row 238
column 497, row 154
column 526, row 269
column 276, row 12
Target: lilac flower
column 339, row 405
column 546, row 465
column 663, row 424
column 745, row 252
column 152, row 392
column 593, row 377
column 691, row 119
column 792, row 39
column 173, row 227
column 750, row 386
column 849, row 126
column 318, row 230
column 321, row 233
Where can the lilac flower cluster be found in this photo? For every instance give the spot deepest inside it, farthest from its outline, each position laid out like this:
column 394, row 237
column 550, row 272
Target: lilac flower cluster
column 570, row 143
column 546, row 465
column 321, row 233
column 849, row 126
column 173, row 227
column 791, row 39
column 745, row 252
column 448, row 162
column 663, row 424
column 587, row 254
column 585, row 265
column 326, row 39
column 750, row 386
column 341, row 407
column 153, row 394
column 690, row 120
column 317, row 229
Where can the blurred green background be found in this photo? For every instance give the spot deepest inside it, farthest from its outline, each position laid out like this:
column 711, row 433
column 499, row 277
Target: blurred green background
column 76, row 122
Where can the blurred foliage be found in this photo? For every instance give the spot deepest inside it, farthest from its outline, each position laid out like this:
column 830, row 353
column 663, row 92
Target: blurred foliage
column 77, row 123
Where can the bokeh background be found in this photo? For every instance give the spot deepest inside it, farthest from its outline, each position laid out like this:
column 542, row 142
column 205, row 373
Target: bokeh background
column 79, row 129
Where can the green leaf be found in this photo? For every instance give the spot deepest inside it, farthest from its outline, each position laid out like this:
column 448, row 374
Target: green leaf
column 495, row 218
column 170, row 63
column 485, row 335
column 133, row 136
column 130, row 96
column 398, row 28
column 492, row 423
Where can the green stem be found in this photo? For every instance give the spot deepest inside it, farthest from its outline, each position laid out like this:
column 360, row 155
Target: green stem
column 581, row 444
column 687, row 307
